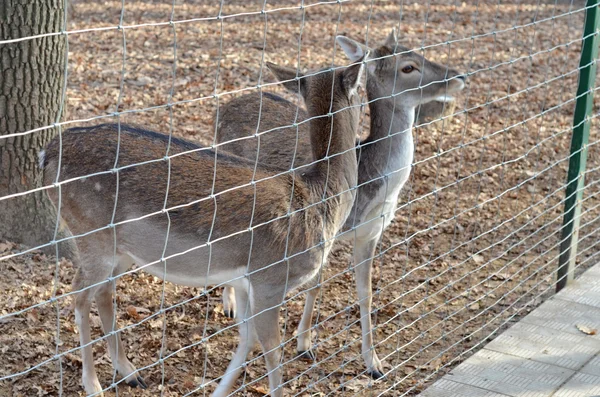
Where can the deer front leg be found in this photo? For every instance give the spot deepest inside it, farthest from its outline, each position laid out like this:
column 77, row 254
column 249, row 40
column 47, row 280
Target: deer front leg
column 363, row 261
column 304, row 345
column 115, row 346
column 90, row 381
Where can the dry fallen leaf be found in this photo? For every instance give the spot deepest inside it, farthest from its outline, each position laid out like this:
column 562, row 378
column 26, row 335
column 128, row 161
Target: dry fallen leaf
column 478, row 258
column 5, row 246
column 189, row 384
column 132, row 312
column 33, row 316
column 73, row 358
column 137, row 313
column 259, row 389
column 356, row 384
column 587, row 330
column 142, row 310
column 501, row 276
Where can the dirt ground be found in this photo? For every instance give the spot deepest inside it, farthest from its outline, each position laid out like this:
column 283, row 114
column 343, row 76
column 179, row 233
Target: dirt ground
column 474, row 244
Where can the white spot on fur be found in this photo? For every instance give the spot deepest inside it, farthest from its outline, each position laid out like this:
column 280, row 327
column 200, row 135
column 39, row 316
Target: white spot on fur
column 97, row 186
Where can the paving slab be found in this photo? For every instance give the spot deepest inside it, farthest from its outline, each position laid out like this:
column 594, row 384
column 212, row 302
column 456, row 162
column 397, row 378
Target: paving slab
column 546, row 354
column 448, row 388
column 509, row 374
column 566, row 316
column 584, row 290
column 592, row 367
column 580, row 385
column 546, row 345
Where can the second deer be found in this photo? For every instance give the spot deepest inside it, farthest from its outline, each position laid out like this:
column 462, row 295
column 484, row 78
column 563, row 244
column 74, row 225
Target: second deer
column 398, row 82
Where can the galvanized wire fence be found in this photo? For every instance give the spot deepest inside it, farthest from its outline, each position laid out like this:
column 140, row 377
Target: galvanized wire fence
column 477, row 236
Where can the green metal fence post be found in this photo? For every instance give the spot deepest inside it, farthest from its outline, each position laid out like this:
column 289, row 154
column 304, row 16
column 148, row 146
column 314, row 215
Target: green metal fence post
column 579, row 141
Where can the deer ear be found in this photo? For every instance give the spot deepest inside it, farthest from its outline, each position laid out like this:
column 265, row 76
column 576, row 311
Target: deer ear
column 392, row 39
column 353, row 49
column 287, row 76
column 353, row 75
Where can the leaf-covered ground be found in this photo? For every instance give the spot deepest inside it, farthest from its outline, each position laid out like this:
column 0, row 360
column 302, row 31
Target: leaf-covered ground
column 474, row 244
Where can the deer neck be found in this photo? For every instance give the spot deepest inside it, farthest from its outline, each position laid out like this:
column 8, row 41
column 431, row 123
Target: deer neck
column 333, row 141
column 390, row 146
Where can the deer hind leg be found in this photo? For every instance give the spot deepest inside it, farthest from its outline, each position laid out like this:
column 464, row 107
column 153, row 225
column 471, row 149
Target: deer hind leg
column 229, row 301
column 104, row 300
column 247, row 341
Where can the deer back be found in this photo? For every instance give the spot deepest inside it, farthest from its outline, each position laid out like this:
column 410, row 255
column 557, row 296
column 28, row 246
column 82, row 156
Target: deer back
column 244, row 116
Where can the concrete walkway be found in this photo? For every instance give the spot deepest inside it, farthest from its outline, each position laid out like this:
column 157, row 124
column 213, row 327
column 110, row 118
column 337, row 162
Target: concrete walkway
column 543, row 355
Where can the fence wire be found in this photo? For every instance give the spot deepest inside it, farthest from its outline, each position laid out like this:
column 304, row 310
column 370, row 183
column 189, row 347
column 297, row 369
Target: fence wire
column 474, row 241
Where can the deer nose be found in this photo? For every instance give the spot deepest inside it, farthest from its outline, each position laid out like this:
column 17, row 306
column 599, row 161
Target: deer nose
column 461, row 77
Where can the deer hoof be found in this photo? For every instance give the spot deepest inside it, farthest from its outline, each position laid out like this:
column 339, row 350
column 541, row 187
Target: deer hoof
column 307, row 355
column 138, row 382
column 230, row 313
column 375, row 374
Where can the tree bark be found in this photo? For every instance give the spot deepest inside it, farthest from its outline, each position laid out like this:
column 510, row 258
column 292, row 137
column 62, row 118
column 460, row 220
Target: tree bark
column 31, row 92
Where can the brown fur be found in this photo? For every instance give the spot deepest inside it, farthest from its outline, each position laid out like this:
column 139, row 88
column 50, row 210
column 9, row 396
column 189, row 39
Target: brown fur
column 224, row 215
column 248, row 108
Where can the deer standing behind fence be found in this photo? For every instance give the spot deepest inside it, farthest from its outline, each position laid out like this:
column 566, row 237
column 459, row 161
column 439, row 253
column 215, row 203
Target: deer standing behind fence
column 207, row 226
column 398, row 81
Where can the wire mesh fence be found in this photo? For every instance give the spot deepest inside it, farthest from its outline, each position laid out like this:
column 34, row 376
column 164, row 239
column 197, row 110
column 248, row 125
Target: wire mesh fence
column 476, row 207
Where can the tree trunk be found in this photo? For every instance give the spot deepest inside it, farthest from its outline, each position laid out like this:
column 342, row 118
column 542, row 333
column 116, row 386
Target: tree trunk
column 31, row 90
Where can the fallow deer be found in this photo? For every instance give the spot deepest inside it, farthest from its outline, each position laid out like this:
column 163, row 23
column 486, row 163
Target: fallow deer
column 398, row 82
column 132, row 195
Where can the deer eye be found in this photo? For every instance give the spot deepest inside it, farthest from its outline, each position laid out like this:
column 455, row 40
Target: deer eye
column 408, row 69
